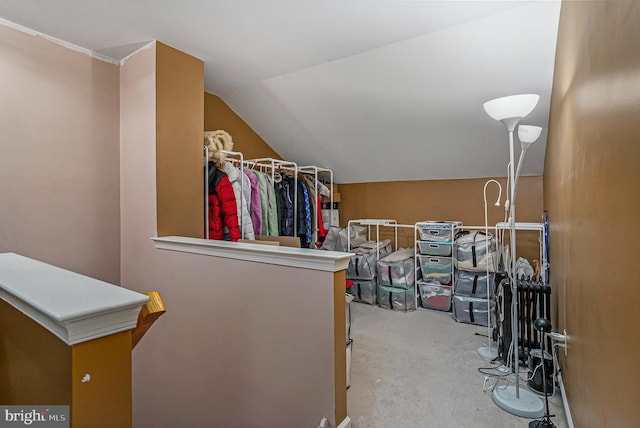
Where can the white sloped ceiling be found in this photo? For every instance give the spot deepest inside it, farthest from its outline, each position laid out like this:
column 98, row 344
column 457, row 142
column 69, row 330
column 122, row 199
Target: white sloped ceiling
column 375, row 90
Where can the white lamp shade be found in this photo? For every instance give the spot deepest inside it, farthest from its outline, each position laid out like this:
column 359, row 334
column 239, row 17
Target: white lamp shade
column 513, row 106
column 528, row 134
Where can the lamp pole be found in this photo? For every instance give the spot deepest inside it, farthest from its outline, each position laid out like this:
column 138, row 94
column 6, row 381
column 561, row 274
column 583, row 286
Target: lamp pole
column 513, row 280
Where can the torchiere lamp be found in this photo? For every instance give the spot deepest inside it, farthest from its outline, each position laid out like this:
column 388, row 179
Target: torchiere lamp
column 510, row 110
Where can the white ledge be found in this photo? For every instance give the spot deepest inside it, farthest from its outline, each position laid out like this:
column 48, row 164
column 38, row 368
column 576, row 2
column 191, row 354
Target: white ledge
column 331, row 261
column 520, row 226
column 74, row 307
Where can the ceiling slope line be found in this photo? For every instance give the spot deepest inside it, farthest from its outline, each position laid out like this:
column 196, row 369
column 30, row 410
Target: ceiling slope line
column 64, row 43
column 146, row 46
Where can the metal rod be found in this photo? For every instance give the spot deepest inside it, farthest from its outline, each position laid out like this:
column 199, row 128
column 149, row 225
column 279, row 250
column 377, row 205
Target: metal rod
column 206, row 192
column 514, row 288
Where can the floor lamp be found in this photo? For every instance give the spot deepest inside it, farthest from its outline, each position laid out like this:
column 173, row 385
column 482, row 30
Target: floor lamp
column 487, row 352
column 510, row 110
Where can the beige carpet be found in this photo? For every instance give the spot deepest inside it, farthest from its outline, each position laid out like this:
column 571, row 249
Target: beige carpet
column 420, row 369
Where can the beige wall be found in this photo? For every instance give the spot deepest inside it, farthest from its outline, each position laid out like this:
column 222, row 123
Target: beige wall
column 591, row 192
column 179, row 155
column 59, row 156
column 463, row 200
column 233, row 350
column 217, row 115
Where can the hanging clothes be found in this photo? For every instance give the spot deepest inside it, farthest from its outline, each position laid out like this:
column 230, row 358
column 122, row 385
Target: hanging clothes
column 322, row 232
column 223, row 211
column 277, row 187
column 326, row 192
column 264, row 198
column 242, row 205
column 256, row 202
column 312, row 202
column 286, row 217
column 301, row 214
column 307, row 213
column 272, row 212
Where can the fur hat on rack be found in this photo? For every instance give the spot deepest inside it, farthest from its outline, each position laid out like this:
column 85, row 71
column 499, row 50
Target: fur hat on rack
column 216, row 141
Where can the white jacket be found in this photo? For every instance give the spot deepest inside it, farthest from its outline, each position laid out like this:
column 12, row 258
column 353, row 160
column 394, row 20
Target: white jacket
column 234, row 177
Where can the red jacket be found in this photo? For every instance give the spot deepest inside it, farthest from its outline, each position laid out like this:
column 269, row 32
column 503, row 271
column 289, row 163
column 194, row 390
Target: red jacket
column 223, row 210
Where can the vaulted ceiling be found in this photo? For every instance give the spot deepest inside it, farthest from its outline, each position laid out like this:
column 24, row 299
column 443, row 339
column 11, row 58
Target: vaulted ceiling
column 377, row 90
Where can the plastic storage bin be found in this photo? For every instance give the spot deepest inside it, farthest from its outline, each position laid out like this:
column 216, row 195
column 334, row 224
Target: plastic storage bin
column 364, row 291
column 397, row 299
column 397, row 269
column 362, row 266
column 434, row 295
column 436, row 269
column 431, row 248
column 437, row 231
column 474, row 284
column 471, row 310
column 476, row 250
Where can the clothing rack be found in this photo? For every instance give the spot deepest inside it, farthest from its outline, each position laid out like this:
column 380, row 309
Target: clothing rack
column 206, row 188
column 310, row 169
column 273, row 164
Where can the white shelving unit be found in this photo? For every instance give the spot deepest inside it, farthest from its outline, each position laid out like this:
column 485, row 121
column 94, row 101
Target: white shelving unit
column 371, row 223
column 539, row 227
column 434, row 263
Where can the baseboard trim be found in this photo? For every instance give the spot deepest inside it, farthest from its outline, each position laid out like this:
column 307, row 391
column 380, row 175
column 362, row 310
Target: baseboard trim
column 346, row 423
column 565, row 403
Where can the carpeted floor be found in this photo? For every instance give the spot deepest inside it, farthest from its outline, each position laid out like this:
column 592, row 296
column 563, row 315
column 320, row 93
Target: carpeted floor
column 420, row 369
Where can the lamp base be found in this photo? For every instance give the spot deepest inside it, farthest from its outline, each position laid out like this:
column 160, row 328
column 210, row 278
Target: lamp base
column 488, row 353
column 542, row 423
column 528, row 405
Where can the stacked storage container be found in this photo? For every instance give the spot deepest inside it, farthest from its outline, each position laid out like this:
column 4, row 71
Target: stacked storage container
column 396, row 281
column 475, row 253
column 362, row 270
column 436, row 267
